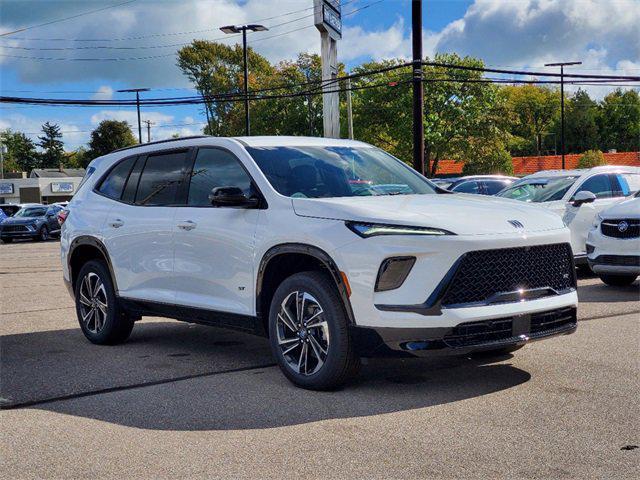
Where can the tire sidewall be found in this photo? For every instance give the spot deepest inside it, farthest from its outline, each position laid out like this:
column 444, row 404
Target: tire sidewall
column 43, row 234
column 334, row 315
column 104, row 335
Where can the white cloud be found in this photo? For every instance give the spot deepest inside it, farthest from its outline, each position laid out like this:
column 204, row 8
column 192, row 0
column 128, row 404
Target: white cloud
column 105, row 92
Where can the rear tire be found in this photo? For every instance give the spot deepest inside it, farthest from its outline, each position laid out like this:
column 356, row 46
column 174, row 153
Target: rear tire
column 43, row 234
column 309, row 332
column 618, row 280
column 101, row 318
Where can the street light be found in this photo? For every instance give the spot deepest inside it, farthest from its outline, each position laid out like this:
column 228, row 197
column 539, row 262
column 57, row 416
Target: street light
column 137, row 90
column 562, row 65
column 244, row 29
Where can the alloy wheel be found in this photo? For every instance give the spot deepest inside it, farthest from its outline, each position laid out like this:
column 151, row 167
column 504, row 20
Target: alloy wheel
column 93, row 303
column 303, row 333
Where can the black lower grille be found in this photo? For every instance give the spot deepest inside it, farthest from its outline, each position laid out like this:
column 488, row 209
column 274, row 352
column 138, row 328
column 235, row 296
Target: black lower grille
column 621, row 228
column 14, row 228
column 511, row 330
column 483, row 274
column 541, row 322
column 619, row 260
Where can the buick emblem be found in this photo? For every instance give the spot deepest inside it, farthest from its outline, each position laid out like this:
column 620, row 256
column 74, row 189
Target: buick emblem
column 623, row 226
column 516, row 223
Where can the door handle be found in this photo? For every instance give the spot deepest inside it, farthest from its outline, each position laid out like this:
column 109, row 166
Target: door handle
column 188, row 225
column 117, row 223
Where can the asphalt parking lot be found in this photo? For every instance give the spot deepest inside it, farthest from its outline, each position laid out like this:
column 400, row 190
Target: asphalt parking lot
column 181, row 400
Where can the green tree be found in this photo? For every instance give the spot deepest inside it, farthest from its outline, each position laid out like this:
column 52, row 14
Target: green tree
column 108, row 136
column 531, row 111
column 79, row 158
column 52, row 155
column 591, row 158
column 619, row 121
column 21, row 153
column 581, row 128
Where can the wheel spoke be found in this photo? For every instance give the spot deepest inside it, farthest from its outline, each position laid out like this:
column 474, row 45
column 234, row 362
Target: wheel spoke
column 315, row 349
column 302, row 356
column 286, row 341
column 86, row 316
column 314, row 318
column 299, row 307
column 291, row 348
column 84, row 300
column 316, row 345
column 289, row 323
column 318, row 324
column 97, row 287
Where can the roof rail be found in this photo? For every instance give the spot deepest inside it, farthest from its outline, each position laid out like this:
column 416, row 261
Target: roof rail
column 168, row 140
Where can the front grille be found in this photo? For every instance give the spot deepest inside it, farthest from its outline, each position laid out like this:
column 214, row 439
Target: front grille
column 619, row 260
column 483, row 274
column 477, row 333
column 621, row 228
column 14, row 228
column 541, row 322
column 512, row 329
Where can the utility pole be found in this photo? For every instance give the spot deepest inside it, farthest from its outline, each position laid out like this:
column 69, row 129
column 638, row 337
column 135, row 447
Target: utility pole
column 562, row 65
column 243, row 29
column 149, row 123
column 1, row 159
column 418, row 95
column 137, row 90
column 349, row 110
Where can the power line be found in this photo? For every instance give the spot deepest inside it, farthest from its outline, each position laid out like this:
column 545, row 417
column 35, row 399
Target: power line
column 65, row 19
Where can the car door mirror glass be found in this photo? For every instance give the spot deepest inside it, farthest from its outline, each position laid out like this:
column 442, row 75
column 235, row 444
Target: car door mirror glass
column 231, row 197
column 583, row 196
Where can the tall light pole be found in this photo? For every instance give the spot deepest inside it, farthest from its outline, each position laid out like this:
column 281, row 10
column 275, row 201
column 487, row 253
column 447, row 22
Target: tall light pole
column 562, row 65
column 137, row 90
column 244, row 29
column 418, row 94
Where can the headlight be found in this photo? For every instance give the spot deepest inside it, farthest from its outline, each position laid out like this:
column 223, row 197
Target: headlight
column 366, row 230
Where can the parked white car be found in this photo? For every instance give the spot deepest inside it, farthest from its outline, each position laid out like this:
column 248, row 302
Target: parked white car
column 334, row 249
column 613, row 245
column 577, row 196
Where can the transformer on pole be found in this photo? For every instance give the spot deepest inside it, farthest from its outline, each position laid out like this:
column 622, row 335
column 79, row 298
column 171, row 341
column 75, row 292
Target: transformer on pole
column 328, row 19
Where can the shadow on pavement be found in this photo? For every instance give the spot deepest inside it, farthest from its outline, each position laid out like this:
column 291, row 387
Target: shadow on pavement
column 599, row 292
column 39, row 366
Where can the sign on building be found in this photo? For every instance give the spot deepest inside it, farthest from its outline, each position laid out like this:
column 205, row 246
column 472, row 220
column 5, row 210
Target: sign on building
column 6, row 188
column 62, row 187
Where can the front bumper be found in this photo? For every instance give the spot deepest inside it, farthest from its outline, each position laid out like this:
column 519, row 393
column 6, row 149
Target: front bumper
column 17, row 234
column 464, row 338
column 614, row 256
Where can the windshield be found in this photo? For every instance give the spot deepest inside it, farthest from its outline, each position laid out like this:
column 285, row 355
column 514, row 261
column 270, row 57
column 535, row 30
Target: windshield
column 324, row 172
column 30, row 212
column 539, row 189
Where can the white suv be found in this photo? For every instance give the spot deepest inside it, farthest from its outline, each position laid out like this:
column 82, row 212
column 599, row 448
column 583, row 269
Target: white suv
column 577, row 196
column 334, row 249
column 613, row 245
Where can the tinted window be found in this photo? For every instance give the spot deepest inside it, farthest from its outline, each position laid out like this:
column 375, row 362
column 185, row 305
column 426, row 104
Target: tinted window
column 599, row 185
column 114, row 183
column 30, row 212
column 466, row 187
column 161, row 179
column 494, row 186
column 216, row 168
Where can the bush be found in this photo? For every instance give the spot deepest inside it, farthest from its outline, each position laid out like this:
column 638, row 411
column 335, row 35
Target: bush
column 492, row 162
column 591, row 158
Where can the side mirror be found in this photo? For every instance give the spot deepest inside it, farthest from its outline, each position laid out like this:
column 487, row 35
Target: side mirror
column 231, row 197
column 583, row 196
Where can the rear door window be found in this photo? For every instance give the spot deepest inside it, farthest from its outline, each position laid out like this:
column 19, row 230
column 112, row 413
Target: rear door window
column 626, row 183
column 162, row 179
column 113, row 184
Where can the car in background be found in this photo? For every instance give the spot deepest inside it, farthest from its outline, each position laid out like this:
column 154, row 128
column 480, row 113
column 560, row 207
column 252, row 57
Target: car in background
column 444, row 182
column 613, row 244
column 577, row 196
column 36, row 222
column 10, row 209
column 481, row 184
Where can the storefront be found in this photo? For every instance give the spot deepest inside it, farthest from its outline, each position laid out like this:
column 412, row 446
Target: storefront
column 38, row 190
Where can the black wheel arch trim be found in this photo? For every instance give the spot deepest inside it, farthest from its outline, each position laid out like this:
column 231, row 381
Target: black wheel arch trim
column 88, row 240
column 305, row 249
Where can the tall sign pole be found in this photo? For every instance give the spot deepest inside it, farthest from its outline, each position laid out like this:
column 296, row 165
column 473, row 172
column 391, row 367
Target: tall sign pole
column 328, row 19
column 418, row 94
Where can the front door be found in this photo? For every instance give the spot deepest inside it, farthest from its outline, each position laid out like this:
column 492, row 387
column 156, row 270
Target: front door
column 214, row 246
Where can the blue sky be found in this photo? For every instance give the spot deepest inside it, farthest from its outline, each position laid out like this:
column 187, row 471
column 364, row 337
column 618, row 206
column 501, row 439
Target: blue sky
column 515, row 33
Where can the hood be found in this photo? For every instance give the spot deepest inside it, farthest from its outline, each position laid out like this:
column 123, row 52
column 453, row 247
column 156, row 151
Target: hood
column 627, row 209
column 20, row 220
column 459, row 213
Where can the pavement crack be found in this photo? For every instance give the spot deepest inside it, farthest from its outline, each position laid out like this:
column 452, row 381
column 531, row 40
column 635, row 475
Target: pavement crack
column 73, row 396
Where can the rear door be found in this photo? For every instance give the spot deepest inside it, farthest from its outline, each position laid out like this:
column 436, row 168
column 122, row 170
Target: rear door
column 139, row 228
column 214, row 246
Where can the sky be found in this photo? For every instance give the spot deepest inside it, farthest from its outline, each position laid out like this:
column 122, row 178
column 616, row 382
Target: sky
column 133, row 43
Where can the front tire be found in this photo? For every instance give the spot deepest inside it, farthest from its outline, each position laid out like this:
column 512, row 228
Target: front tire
column 101, row 319
column 618, row 280
column 309, row 333
column 43, row 234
